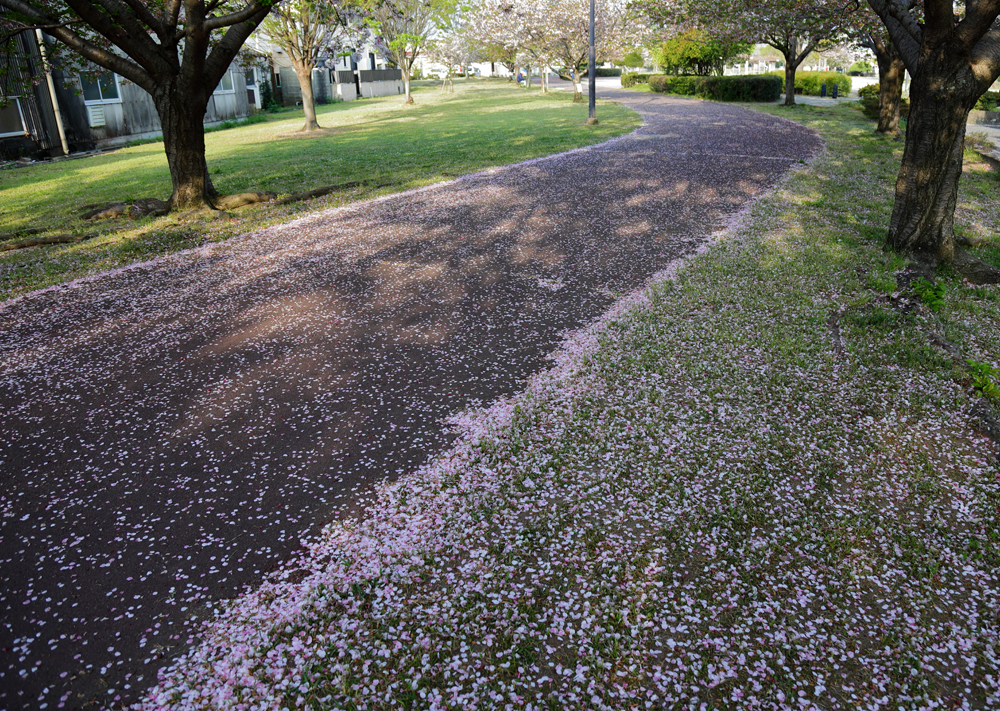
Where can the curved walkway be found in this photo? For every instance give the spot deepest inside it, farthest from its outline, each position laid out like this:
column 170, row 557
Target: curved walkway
column 169, row 432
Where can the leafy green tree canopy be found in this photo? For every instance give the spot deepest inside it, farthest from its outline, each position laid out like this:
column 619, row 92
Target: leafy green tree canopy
column 696, row 51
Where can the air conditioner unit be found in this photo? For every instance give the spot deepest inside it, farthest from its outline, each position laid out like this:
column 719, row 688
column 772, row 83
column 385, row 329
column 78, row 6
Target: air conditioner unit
column 96, row 116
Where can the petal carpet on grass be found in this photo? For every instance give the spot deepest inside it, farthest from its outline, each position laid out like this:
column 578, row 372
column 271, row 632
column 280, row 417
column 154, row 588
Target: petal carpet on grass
column 171, row 432
column 754, row 485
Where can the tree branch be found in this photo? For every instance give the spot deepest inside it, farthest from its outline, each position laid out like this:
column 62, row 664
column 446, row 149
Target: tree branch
column 113, row 20
column 252, row 10
column 979, row 18
column 143, row 13
column 904, row 31
column 225, row 51
column 85, row 49
column 985, row 58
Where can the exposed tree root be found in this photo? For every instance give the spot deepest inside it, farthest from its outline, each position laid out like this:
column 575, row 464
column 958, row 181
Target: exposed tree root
column 327, row 189
column 974, row 269
column 22, row 233
column 143, row 207
column 147, row 207
column 838, row 339
column 51, row 239
column 969, row 241
column 231, row 202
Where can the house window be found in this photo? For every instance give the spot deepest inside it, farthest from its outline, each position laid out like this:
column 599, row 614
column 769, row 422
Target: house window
column 226, row 84
column 11, row 120
column 103, row 90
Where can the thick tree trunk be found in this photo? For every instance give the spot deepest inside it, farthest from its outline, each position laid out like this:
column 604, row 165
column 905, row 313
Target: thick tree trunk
column 941, row 96
column 303, row 72
column 577, row 86
column 182, row 116
column 891, row 71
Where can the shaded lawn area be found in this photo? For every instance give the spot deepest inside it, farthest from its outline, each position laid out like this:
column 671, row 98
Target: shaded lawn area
column 392, row 146
column 762, row 484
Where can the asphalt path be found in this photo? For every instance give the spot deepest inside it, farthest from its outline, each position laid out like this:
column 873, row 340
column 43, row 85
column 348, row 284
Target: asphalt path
column 170, row 432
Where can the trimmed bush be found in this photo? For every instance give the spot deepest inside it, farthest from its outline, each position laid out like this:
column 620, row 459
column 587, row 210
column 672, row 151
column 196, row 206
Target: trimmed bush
column 633, row 78
column 751, row 88
column 738, row 88
column 683, row 85
column 809, row 83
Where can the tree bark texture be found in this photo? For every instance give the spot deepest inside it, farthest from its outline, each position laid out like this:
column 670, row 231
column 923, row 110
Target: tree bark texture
column 789, row 83
column 891, row 72
column 406, row 86
column 182, row 112
column 941, row 95
column 303, row 72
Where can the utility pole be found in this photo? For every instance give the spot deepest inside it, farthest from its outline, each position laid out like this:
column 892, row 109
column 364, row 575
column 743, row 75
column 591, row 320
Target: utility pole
column 592, row 71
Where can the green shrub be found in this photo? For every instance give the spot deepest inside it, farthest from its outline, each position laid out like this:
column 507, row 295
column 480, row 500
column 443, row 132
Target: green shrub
column 739, row 88
column 870, row 102
column 683, row 85
column 809, row 83
column 745, row 88
column 633, row 78
column 988, row 101
column 869, row 90
column 860, row 67
column 267, row 100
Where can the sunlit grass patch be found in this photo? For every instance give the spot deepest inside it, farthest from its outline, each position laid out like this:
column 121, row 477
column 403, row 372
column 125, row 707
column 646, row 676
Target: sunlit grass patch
column 392, row 146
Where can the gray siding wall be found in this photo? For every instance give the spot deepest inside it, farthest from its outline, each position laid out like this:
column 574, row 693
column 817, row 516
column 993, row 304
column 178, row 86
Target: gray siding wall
column 135, row 114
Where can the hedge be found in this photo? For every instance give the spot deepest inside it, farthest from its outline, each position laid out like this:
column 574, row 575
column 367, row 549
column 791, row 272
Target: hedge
column 809, row 83
column 736, row 88
column 566, row 74
column 633, row 78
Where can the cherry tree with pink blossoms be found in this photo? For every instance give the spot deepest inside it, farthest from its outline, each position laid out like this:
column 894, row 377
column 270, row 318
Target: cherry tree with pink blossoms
column 556, row 32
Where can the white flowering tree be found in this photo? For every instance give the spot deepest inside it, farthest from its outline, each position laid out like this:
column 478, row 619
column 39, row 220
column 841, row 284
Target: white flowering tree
column 556, row 32
column 310, row 30
column 617, row 28
column 454, row 50
column 502, row 28
column 406, row 27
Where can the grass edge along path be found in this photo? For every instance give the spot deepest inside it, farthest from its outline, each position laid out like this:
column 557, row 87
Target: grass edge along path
column 716, row 499
column 374, row 147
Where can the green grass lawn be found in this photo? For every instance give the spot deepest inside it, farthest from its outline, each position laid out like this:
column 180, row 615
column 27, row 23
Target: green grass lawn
column 443, row 135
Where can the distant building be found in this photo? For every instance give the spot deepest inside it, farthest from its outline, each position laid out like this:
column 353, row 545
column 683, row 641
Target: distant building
column 73, row 113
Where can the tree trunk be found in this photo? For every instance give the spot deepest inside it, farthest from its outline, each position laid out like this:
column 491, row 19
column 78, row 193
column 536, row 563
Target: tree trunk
column 182, row 115
column 941, row 96
column 789, row 81
column 406, row 86
column 303, row 72
column 891, row 71
column 578, row 86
